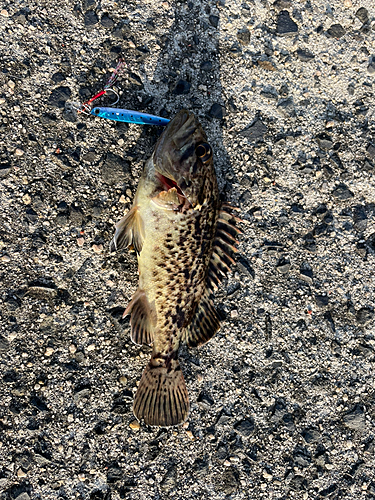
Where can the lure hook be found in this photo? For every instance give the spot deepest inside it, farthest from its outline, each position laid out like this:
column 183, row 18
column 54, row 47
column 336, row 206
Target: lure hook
column 116, row 94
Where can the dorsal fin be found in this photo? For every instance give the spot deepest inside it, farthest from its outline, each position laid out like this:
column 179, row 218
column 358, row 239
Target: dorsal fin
column 224, row 246
column 142, row 319
column 129, row 231
column 205, row 323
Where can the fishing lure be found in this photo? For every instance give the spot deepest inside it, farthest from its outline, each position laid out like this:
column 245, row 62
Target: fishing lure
column 129, row 116
column 120, row 115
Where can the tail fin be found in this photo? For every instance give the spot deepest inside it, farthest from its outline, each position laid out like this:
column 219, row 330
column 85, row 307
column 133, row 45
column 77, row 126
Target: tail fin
column 162, row 398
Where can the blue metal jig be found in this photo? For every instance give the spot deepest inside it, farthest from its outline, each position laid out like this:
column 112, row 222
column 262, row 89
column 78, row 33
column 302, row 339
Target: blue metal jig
column 129, row 116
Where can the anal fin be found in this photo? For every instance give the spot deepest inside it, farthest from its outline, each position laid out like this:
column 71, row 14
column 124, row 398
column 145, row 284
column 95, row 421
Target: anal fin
column 142, row 319
column 129, row 231
column 205, row 323
column 161, row 398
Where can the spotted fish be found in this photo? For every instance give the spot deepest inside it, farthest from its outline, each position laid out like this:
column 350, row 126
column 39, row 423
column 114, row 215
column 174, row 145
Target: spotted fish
column 184, row 239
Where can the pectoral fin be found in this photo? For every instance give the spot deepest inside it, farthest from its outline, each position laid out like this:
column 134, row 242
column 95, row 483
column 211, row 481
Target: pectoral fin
column 129, row 231
column 142, row 319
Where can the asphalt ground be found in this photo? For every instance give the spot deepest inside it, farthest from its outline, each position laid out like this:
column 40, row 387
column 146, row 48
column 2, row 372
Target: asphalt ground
column 282, row 399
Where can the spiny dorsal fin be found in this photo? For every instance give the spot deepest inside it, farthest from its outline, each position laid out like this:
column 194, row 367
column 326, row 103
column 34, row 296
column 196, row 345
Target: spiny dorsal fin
column 129, row 231
column 142, row 319
column 224, row 246
column 161, row 398
column 205, row 323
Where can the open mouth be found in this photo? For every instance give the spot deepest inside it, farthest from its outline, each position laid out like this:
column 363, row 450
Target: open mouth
column 169, row 184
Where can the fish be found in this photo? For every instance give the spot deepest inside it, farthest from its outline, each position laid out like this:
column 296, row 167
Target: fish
column 185, row 240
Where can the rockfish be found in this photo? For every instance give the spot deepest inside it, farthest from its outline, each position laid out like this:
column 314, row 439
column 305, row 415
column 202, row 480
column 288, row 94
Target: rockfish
column 184, row 239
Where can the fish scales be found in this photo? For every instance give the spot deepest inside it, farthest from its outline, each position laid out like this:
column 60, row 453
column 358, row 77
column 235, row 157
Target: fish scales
column 173, row 266
column 174, row 227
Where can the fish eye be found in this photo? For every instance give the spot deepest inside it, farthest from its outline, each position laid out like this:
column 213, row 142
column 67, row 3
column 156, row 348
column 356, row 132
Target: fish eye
column 204, row 152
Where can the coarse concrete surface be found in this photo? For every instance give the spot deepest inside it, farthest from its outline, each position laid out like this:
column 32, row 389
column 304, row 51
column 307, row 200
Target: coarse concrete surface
column 282, row 398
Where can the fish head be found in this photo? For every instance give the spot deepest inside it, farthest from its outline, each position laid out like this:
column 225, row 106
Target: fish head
column 183, row 159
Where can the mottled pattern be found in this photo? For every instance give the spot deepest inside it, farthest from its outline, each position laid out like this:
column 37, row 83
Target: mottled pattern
column 179, row 262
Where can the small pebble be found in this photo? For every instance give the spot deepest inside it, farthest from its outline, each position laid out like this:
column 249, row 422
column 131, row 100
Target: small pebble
column 217, row 111
column 90, row 347
column 2, row 100
column 371, row 67
column 214, row 21
column 365, row 315
column 123, row 380
column 11, row 84
column 49, row 351
column 342, row 192
column 70, row 417
column 135, row 425
column 5, row 258
column 80, row 242
column 182, row 87
column 26, row 199
column 234, row 313
column 268, row 65
column 91, row 18
column 243, row 36
column 362, row 15
column 4, row 13
column 21, row 473
column 72, row 348
column 206, row 66
column 97, row 248
column 336, row 31
column 19, row 152
column 285, row 24
column 305, row 55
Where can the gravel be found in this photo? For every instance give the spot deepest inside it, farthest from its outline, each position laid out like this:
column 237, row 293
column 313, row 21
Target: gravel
column 282, row 399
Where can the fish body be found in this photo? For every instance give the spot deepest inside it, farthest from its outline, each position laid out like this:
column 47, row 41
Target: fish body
column 183, row 241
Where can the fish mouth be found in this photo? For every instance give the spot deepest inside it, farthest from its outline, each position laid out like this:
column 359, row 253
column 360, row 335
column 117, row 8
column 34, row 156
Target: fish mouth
column 171, row 197
column 168, row 184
